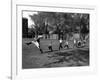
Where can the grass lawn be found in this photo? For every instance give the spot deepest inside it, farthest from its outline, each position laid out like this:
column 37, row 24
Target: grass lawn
column 32, row 57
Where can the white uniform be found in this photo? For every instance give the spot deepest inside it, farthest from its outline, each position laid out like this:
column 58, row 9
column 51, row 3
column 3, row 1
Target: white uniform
column 60, row 40
column 36, row 43
column 74, row 41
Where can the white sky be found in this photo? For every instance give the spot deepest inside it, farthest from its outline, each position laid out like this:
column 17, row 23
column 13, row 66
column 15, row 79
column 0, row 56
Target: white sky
column 26, row 15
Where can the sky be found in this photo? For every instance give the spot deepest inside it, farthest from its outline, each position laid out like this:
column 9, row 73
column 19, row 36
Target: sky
column 26, row 15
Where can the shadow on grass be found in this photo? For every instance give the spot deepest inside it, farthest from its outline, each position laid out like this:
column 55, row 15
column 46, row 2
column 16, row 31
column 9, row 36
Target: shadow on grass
column 73, row 58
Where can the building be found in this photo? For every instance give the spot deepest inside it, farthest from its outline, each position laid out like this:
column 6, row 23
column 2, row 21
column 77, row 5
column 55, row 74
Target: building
column 24, row 27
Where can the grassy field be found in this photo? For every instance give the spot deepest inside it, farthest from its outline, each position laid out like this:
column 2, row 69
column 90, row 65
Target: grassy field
column 32, row 57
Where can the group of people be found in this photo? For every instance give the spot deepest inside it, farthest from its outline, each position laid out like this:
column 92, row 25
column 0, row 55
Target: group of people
column 61, row 44
column 66, row 44
column 76, row 43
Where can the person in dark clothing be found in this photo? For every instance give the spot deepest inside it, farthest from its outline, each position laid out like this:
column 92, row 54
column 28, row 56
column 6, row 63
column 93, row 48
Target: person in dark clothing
column 38, row 40
column 50, row 47
column 79, row 44
column 60, row 45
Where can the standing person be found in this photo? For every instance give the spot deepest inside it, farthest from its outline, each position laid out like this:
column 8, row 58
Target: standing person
column 60, row 45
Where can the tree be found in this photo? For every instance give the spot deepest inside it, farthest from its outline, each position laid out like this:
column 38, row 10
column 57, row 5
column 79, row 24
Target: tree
column 84, row 25
column 60, row 23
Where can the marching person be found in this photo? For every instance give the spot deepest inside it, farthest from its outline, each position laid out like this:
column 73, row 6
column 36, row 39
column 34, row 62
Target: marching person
column 60, row 45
